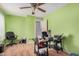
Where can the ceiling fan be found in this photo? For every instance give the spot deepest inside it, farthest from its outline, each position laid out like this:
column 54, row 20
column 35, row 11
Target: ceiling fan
column 35, row 6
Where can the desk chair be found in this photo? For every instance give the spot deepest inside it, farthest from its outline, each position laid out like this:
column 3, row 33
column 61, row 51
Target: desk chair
column 58, row 41
column 11, row 37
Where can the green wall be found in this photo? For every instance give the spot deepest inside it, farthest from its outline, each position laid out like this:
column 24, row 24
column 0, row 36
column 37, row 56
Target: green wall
column 21, row 26
column 66, row 21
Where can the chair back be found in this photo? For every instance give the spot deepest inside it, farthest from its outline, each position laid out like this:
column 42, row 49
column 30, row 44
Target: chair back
column 10, row 35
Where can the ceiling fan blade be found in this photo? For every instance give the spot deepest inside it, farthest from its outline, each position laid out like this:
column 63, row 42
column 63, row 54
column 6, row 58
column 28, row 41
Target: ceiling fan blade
column 41, row 10
column 39, row 4
column 24, row 7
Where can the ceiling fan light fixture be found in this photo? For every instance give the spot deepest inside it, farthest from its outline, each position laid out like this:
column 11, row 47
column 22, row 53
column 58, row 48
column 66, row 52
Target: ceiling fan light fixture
column 35, row 6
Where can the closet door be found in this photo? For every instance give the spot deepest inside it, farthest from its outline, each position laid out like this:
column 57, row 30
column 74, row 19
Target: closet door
column 2, row 27
column 41, row 25
column 38, row 29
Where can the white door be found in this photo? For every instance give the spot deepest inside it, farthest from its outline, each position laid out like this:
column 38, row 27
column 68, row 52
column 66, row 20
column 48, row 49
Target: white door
column 2, row 27
column 38, row 29
column 41, row 25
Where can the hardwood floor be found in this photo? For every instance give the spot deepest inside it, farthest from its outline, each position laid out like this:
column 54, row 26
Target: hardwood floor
column 53, row 52
column 28, row 50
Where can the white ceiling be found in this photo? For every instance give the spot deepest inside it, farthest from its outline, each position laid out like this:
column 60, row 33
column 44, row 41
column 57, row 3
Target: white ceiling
column 14, row 8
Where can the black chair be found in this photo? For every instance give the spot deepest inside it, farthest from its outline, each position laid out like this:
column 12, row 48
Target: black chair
column 1, row 48
column 11, row 37
column 58, row 40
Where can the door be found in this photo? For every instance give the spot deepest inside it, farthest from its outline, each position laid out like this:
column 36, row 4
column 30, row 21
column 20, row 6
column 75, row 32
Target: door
column 41, row 25
column 38, row 29
column 2, row 27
